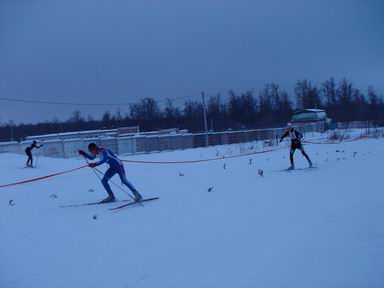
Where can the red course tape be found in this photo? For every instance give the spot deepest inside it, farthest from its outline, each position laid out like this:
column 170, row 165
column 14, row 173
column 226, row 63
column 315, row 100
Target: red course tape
column 198, row 161
column 168, row 162
column 42, row 177
column 339, row 142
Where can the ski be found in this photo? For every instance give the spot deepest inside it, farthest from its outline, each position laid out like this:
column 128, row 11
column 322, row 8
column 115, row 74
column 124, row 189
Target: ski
column 299, row 169
column 91, row 203
column 134, row 202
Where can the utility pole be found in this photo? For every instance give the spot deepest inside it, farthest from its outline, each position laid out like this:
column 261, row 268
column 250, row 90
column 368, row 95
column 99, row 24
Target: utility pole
column 11, row 126
column 205, row 119
column 317, row 120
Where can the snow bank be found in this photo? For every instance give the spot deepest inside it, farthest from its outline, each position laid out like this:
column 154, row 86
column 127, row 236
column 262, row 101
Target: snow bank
column 311, row 228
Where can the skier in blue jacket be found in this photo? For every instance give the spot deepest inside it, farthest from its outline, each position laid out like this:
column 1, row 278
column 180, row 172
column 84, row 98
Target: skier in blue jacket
column 116, row 166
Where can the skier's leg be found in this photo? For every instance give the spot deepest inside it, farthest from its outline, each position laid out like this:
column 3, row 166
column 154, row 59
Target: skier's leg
column 306, row 156
column 108, row 175
column 291, row 152
column 125, row 181
column 29, row 161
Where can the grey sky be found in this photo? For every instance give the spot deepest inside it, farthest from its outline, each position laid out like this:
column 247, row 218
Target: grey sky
column 121, row 51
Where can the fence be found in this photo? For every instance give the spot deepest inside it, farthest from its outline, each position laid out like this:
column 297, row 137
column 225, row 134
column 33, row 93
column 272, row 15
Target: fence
column 358, row 125
column 130, row 145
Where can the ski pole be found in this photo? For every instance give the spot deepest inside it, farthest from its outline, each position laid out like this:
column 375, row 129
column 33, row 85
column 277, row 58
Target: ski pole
column 38, row 155
column 114, row 183
column 94, row 169
column 37, row 158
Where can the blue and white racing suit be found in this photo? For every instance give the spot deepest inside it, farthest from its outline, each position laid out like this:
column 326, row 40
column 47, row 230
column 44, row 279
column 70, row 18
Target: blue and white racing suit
column 115, row 167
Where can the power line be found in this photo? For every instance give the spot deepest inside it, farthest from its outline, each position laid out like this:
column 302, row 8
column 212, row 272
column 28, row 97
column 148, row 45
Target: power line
column 61, row 103
column 183, row 97
column 86, row 104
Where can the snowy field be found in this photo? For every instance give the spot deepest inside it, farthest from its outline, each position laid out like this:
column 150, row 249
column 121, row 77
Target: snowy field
column 319, row 227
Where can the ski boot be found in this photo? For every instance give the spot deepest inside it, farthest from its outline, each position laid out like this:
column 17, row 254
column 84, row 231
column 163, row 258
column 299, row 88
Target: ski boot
column 292, row 167
column 310, row 164
column 110, row 198
column 137, row 195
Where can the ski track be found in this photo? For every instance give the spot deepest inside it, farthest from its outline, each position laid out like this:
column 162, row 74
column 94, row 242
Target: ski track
column 312, row 228
column 279, row 251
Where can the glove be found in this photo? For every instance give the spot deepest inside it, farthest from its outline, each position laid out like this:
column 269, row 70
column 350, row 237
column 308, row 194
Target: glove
column 92, row 165
column 281, row 140
column 81, row 152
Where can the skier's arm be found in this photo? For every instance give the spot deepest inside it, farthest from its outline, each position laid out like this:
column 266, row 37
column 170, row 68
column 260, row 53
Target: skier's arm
column 38, row 147
column 299, row 135
column 89, row 157
column 284, row 135
column 86, row 155
column 104, row 158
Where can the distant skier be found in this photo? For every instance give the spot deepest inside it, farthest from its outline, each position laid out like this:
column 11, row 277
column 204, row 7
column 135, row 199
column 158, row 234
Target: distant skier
column 295, row 137
column 115, row 167
column 28, row 151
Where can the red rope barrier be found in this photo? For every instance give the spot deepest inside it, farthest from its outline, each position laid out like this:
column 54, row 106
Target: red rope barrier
column 42, row 177
column 135, row 161
column 169, row 162
column 339, row 142
column 197, row 161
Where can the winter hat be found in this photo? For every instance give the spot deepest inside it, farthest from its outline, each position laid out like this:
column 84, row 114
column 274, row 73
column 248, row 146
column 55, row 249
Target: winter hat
column 92, row 146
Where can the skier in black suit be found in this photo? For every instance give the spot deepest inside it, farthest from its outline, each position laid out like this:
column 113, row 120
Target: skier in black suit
column 28, row 151
column 295, row 137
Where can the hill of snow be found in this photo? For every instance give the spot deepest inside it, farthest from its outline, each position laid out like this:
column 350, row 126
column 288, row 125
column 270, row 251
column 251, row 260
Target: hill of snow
column 319, row 227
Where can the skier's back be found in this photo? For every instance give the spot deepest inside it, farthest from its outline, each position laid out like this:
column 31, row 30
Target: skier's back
column 28, row 151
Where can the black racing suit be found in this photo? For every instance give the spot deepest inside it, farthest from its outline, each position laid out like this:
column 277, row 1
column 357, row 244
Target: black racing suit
column 28, row 151
column 295, row 137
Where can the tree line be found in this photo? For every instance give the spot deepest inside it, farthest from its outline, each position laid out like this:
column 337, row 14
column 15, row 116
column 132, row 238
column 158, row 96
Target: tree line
column 270, row 107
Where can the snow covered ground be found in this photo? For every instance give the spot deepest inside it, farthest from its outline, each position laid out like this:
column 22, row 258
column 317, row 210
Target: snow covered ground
column 311, row 228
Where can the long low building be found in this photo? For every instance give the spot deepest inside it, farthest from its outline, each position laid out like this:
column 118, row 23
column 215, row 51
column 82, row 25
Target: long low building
column 310, row 115
column 86, row 134
column 118, row 132
column 152, row 141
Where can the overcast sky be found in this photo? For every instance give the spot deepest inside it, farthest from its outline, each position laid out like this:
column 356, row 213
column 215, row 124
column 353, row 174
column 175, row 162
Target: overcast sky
column 121, row 51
